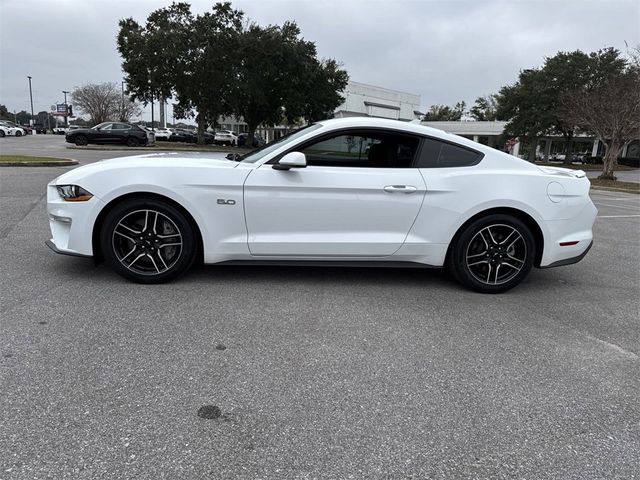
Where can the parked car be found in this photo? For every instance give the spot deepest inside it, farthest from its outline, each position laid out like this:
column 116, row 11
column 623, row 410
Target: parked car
column 258, row 141
column 27, row 129
column 162, row 133
column 151, row 135
column 419, row 196
column 226, row 137
column 183, row 135
column 109, row 132
column 8, row 130
column 62, row 130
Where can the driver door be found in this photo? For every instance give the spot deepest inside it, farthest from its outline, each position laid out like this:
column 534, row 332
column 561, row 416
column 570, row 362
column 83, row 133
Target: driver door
column 357, row 197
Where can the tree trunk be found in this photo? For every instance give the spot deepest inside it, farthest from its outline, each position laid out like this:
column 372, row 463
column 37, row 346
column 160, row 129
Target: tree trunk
column 250, row 135
column 610, row 160
column 532, row 150
column 568, row 147
column 202, row 125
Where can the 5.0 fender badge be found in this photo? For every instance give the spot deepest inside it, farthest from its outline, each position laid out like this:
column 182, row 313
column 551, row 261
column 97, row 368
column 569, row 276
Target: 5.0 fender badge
column 222, row 201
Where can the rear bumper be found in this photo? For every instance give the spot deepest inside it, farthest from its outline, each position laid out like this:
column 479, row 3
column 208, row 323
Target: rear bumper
column 570, row 261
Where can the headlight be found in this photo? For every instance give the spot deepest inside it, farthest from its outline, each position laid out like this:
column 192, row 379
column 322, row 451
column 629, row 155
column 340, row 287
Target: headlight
column 73, row 193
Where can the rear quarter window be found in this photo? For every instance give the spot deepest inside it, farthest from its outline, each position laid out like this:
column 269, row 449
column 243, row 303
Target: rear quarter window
column 438, row 154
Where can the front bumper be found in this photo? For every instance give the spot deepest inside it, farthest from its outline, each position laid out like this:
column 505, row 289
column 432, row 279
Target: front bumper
column 71, row 223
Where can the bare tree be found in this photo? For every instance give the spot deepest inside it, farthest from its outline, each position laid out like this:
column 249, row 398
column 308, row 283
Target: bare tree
column 611, row 112
column 103, row 102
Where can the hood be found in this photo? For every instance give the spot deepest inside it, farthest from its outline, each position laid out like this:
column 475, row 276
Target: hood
column 148, row 161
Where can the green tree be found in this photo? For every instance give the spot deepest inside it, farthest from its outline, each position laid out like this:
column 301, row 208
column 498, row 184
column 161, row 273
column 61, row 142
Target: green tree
column 534, row 106
column 191, row 56
column 153, row 54
column 4, row 113
column 485, row 108
column 279, row 76
column 520, row 104
column 441, row 113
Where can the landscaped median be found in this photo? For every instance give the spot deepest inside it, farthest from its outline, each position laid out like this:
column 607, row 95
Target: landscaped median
column 615, row 185
column 29, row 161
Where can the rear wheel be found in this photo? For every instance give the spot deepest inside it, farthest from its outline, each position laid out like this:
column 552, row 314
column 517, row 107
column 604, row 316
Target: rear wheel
column 493, row 254
column 2, row 134
column 132, row 142
column 148, row 241
column 18, row 133
column 81, row 140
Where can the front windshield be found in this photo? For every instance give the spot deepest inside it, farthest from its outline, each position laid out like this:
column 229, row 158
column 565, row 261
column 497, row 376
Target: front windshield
column 259, row 153
column 100, row 125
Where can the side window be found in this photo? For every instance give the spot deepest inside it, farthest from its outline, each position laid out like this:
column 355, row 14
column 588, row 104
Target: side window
column 108, row 126
column 121, row 126
column 376, row 149
column 436, row 154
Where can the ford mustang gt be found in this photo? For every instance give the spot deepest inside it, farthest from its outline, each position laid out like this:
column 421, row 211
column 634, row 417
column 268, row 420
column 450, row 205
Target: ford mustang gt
column 354, row 191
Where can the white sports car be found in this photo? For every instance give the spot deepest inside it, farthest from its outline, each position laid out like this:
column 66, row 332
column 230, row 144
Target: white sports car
column 11, row 131
column 355, row 191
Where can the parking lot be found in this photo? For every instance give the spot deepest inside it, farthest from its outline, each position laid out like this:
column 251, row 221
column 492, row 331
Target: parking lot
column 313, row 372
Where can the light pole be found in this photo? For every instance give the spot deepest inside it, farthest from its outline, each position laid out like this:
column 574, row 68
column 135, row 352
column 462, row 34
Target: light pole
column 66, row 113
column 122, row 119
column 31, row 98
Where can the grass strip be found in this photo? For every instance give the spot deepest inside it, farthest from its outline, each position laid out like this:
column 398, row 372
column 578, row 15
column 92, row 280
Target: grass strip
column 615, row 185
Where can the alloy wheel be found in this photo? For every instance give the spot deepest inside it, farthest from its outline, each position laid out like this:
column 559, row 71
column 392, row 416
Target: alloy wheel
column 147, row 242
column 496, row 254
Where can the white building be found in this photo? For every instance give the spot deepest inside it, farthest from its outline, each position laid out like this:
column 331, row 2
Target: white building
column 361, row 99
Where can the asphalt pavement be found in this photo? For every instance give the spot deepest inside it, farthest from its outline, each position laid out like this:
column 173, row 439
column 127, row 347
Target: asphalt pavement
column 274, row 372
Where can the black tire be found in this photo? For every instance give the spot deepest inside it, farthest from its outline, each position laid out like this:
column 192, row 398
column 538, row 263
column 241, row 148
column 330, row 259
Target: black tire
column 492, row 254
column 132, row 244
column 133, row 142
column 18, row 133
column 81, row 140
column 2, row 134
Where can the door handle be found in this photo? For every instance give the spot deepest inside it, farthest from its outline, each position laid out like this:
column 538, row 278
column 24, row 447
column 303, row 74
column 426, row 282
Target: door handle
column 400, row 188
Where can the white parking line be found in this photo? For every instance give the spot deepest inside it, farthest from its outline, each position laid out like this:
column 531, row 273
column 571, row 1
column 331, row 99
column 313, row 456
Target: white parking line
column 616, row 206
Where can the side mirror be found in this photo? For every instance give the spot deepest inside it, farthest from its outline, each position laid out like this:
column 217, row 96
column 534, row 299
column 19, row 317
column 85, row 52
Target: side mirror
column 291, row 160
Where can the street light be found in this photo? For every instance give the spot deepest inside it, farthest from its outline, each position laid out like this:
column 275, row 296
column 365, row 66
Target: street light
column 66, row 107
column 31, row 97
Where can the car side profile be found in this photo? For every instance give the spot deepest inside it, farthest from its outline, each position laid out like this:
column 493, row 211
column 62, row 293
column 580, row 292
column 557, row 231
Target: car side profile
column 10, row 129
column 353, row 191
column 109, row 133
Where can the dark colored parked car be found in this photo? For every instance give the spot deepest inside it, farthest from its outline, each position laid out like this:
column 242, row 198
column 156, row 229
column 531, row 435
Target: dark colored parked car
column 109, row 132
column 183, row 135
column 258, row 141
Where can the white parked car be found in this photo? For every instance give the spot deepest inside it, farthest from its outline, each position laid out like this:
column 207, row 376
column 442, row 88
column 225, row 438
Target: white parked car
column 349, row 191
column 162, row 133
column 60, row 130
column 7, row 130
column 226, row 137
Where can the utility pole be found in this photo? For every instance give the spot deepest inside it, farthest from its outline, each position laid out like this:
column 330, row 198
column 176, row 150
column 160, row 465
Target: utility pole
column 66, row 111
column 122, row 119
column 30, row 97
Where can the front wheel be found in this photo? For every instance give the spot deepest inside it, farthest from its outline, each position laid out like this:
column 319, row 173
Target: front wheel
column 493, row 254
column 148, row 241
column 18, row 133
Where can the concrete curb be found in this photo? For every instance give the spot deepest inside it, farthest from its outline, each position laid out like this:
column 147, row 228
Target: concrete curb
column 39, row 164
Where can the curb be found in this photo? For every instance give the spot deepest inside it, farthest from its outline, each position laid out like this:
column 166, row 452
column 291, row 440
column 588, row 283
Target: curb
column 61, row 163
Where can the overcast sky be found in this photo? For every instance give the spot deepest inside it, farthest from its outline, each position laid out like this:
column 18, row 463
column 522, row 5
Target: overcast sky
column 445, row 51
